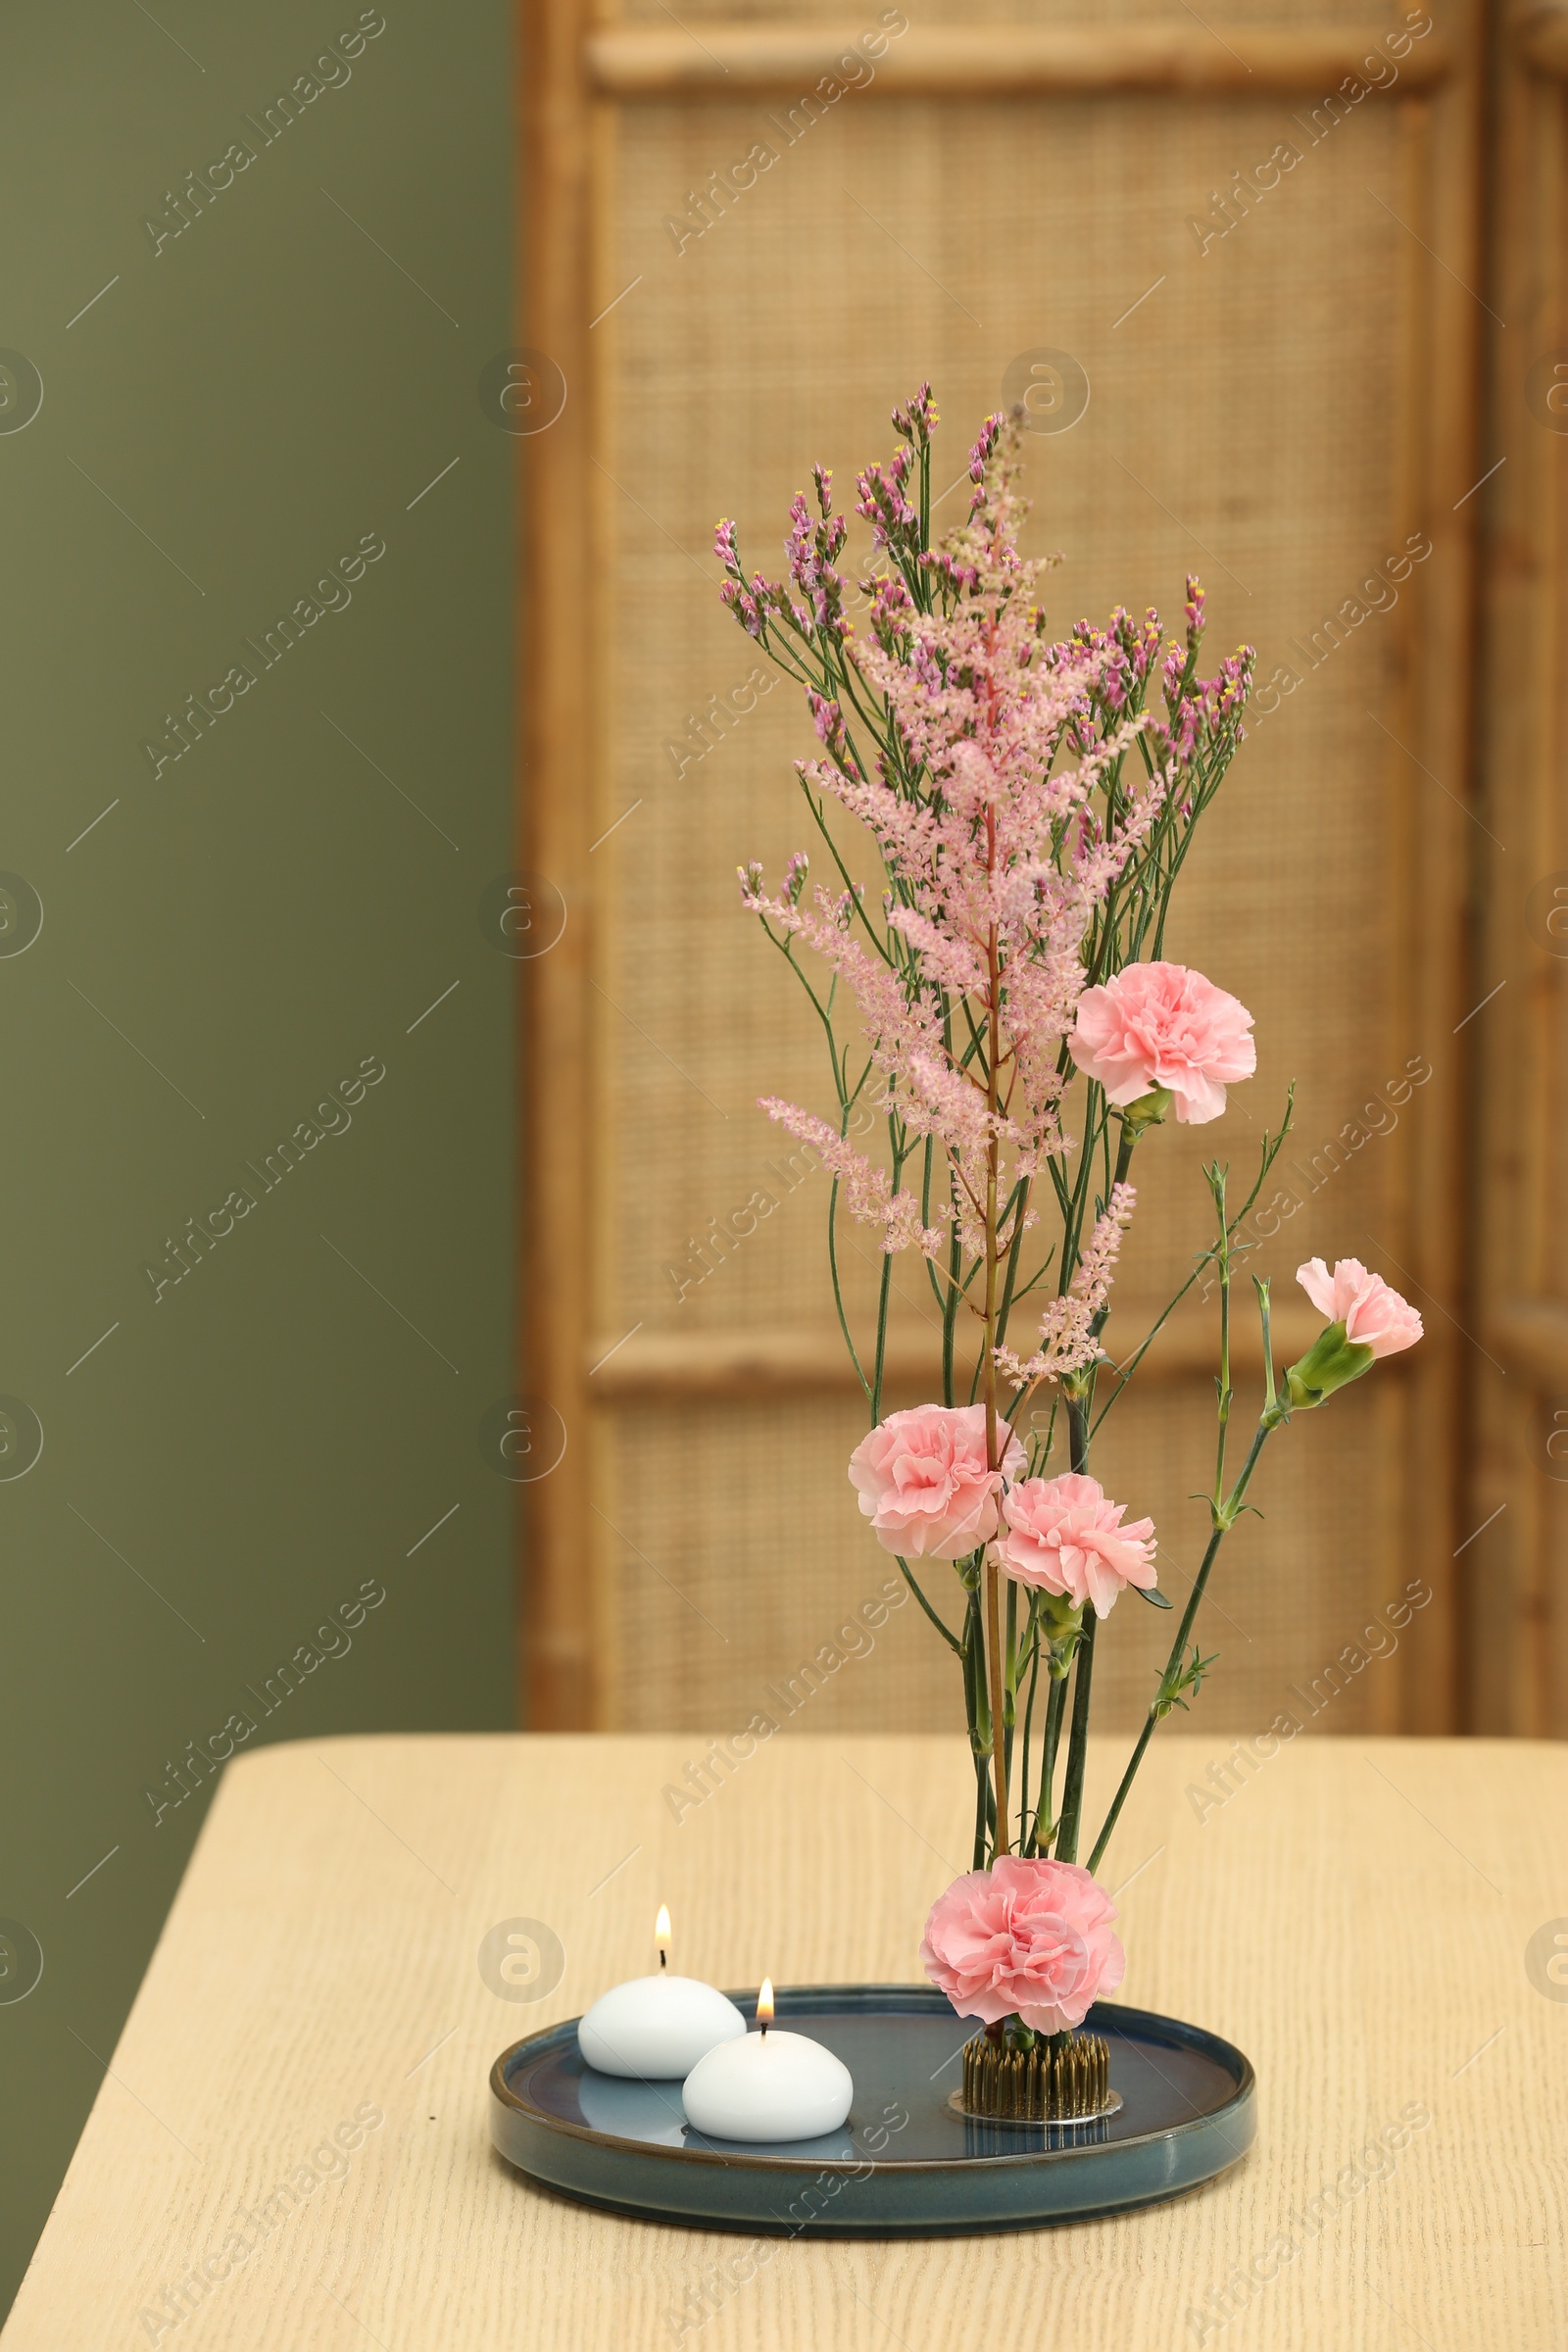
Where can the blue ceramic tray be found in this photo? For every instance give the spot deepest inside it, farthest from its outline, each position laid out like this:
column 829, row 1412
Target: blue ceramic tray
column 906, row 2164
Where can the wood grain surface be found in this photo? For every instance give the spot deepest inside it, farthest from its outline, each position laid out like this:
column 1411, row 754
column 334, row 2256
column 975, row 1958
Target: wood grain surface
column 1356, row 1914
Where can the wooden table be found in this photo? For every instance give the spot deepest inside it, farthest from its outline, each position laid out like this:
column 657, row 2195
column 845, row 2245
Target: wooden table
column 298, row 2103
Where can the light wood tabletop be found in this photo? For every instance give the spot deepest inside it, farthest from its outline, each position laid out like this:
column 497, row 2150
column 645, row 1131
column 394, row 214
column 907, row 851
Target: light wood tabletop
column 291, row 2145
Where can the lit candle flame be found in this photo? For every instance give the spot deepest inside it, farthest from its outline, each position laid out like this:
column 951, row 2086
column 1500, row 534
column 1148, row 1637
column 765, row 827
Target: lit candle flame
column 661, row 1934
column 765, row 2005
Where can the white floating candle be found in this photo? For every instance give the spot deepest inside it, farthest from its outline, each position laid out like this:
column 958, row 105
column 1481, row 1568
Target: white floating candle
column 656, row 2029
column 767, row 2086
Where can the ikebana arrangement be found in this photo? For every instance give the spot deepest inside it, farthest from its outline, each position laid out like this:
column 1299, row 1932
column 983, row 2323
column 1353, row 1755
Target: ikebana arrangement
column 1019, row 1036
column 1008, row 1017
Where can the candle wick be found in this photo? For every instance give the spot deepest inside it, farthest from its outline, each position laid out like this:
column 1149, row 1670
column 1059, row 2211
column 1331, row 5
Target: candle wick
column 662, row 1957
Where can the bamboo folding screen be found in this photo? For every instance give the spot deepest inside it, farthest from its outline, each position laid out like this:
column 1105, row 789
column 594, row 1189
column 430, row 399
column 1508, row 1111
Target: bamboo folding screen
column 1254, row 252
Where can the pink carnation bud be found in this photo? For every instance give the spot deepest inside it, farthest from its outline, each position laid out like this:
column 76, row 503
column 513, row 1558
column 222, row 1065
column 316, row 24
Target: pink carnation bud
column 925, row 1482
column 1159, row 1025
column 1373, row 1316
column 1026, row 1938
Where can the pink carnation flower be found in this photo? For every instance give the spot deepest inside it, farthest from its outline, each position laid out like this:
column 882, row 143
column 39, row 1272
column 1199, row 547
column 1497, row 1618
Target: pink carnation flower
column 924, row 1481
column 1160, row 1025
column 1064, row 1536
column 1026, row 1938
column 1373, row 1316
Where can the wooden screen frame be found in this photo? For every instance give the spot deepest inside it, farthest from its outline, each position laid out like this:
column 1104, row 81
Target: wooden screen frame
column 577, row 67
column 1516, row 1589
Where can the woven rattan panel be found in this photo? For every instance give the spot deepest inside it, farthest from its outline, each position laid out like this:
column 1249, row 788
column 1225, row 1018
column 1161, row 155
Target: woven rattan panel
column 731, row 1608
column 1246, row 421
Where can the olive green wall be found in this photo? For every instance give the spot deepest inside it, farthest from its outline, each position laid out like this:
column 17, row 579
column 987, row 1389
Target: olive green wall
column 234, row 940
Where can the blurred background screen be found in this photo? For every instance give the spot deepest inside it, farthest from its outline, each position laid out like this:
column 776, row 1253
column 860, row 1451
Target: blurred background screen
column 1235, row 274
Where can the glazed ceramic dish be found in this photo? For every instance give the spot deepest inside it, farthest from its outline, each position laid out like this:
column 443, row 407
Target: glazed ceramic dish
column 906, row 2163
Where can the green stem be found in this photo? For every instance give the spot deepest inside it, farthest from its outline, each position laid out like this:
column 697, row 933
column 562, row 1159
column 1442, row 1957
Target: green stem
column 1010, row 1676
column 1127, row 1780
column 883, row 1294
column 1223, row 1383
column 974, row 1654
column 1272, row 1146
column 950, row 1310
column 1020, row 1206
column 1072, row 1793
column 999, row 1728
column 993, row 1442
column 1056, row 1701
column 945, row 1630
column 1225, row 1519
column 838, row 1294
column 1262, row 1286
column 1025, row 1830
column 925, row 1219
column 1124, row 1150
column 1268, row 1422
column 982, row 1791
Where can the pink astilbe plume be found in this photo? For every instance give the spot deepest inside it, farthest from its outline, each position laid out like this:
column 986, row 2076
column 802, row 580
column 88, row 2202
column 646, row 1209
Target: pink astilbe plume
column 867, row 1193
column 1067, row 1340
column 1014, row 785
